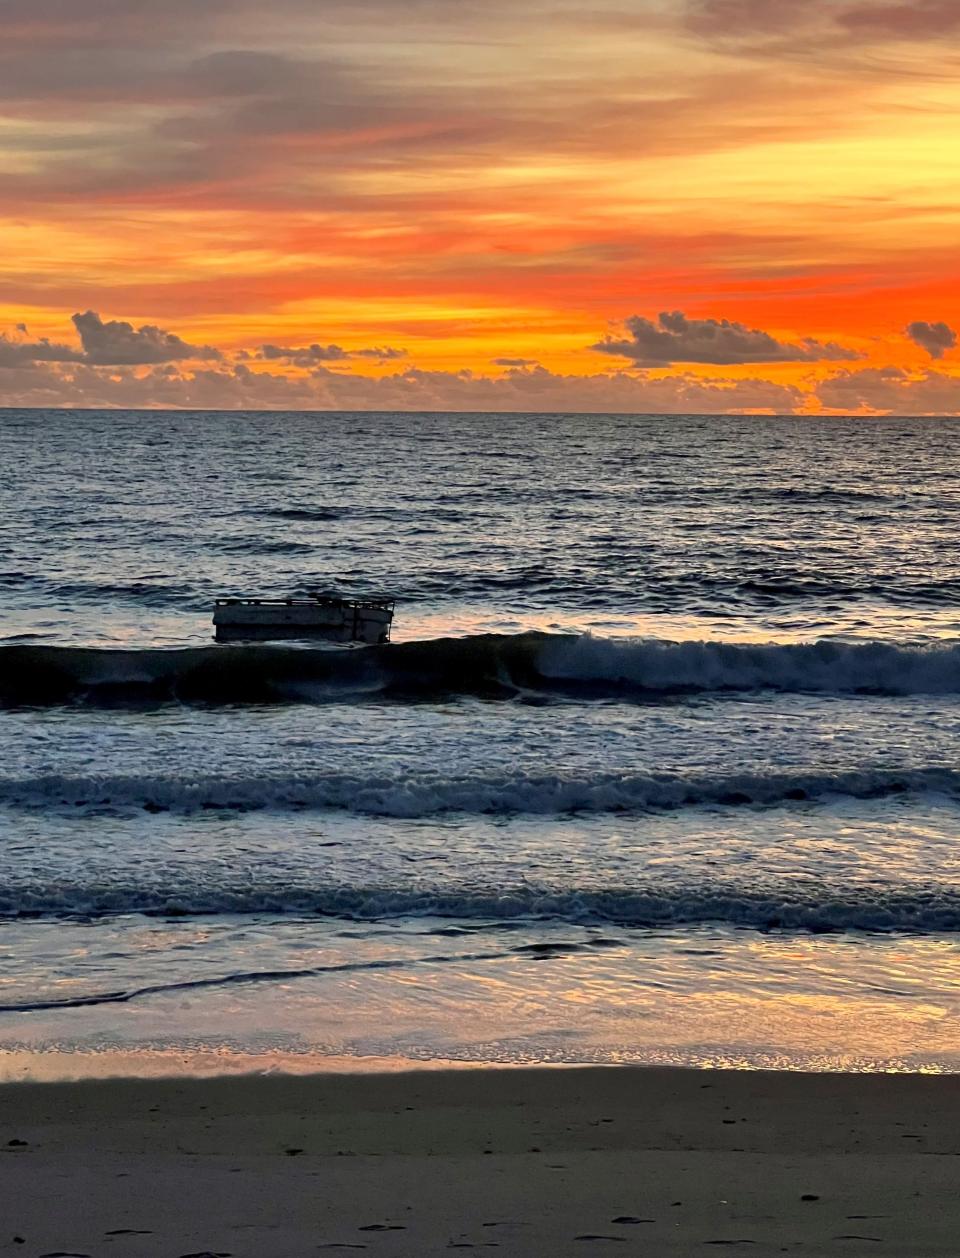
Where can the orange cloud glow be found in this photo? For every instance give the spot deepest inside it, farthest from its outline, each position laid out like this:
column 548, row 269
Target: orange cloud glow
column 482, row 186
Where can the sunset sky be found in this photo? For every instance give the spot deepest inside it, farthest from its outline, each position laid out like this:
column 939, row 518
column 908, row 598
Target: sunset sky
column 662, row 205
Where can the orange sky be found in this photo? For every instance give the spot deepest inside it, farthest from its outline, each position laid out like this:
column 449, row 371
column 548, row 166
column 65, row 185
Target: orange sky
column 487, row 194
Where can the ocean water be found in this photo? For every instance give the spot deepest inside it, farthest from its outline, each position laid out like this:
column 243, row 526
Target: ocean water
column 662, row 765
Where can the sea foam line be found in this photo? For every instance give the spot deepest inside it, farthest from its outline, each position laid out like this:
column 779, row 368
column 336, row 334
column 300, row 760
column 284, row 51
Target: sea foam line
column 804, row 907
column 426, row 795
column 826, row 666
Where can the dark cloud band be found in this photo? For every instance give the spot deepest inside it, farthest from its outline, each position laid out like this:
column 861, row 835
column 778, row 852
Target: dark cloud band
column 673, row 338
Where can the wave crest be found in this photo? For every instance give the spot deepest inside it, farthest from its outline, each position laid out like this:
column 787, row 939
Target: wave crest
column 797, row 907
column 426, row 795
column 491, row 665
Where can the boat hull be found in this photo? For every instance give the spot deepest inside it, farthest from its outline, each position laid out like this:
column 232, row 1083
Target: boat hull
column 262, row 621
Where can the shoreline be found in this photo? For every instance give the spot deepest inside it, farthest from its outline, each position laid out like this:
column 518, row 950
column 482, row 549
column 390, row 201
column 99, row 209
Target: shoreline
column 528, row 1161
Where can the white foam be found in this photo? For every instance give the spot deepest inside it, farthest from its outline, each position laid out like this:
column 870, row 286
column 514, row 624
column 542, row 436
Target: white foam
column 819, row 908
column 428, row 794
column 825, row 666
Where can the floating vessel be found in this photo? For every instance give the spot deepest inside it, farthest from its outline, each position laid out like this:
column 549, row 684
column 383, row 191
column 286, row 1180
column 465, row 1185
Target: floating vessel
column 365, row 620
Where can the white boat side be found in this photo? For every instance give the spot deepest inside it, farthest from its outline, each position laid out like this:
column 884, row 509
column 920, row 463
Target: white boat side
column 337, row 620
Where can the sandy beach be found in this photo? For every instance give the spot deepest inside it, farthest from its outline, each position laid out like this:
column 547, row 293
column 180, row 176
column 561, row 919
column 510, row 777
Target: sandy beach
column 527, row 1162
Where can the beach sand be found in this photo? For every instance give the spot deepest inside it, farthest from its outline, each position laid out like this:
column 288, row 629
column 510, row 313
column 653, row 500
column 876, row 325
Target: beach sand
column 517, row 1162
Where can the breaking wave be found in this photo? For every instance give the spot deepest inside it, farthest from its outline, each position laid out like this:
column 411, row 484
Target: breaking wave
column 794, row 907
column 427, row 795
column 490, row 665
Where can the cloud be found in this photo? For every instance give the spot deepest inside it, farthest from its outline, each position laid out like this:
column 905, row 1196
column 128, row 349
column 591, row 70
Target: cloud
column 935, row 338
column 382, row 352
column 120, row 344
column 14, row 353
column 738, row 19
column 209, row 105
column 239, row 386
column 104, row 344
column 310, row 355
column 750, row 20
column 891, row 390
column 674, row 338
column 304, row 354
column 120, row 366
column 920, row 19
column 826, row 33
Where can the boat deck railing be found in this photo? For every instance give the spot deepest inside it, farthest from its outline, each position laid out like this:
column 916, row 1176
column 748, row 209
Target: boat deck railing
column 362, row 604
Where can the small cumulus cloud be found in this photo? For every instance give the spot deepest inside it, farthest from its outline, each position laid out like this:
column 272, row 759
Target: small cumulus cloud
column 673, row 338
column 384, row 352
column 935, row 338
column 312, row 355
column 303, row 355
column 117, row 344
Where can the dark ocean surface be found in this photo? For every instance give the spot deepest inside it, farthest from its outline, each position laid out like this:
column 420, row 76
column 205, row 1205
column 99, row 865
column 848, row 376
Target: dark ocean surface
column 663, row 763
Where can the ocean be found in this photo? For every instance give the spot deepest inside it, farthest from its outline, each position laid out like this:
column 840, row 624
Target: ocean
column 661, row 765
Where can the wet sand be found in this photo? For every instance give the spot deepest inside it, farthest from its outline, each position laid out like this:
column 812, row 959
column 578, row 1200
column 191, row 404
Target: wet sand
column 512, row 1162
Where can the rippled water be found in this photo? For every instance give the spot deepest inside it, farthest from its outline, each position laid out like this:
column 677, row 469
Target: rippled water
column 682, row 783
column 121, row 528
